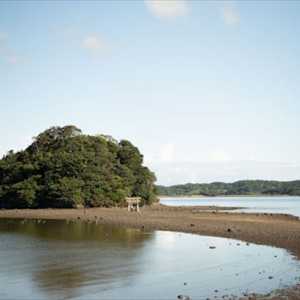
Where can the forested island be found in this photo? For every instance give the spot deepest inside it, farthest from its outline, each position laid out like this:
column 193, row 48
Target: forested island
column 65, row 168
column 243, row 187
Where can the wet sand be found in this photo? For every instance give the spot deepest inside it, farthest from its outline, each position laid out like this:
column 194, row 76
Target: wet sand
column 267, row 229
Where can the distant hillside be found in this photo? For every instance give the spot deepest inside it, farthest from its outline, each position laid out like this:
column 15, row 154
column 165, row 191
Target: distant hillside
column 243, row 187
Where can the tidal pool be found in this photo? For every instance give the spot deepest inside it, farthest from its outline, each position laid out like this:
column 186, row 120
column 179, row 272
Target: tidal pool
column 59, row 260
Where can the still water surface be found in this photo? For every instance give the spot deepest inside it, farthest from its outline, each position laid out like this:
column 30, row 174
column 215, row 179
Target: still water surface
column 59, row 260
column 276, row 205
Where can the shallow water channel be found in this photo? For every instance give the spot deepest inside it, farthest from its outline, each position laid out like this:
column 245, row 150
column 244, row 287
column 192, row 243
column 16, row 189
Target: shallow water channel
column 63, row 260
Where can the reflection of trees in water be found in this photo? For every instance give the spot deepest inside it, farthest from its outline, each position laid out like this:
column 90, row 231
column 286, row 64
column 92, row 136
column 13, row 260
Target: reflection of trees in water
column 59, row 230
column 60, row 282
column 66, row 257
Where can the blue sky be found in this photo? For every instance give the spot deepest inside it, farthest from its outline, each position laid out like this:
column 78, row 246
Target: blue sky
column 208, row 90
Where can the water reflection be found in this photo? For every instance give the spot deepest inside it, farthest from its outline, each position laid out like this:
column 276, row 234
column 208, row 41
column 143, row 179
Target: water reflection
column 63, row 258
column 73, row 232
column 56, row 260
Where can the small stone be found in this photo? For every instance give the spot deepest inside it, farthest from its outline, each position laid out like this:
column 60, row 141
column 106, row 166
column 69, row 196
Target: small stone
column 180, row 296
column 229, row 230
column 247, row 244
column 185, row 283
column 216, row 291
column 193, row 224
column 271, row 277
column 212, row 247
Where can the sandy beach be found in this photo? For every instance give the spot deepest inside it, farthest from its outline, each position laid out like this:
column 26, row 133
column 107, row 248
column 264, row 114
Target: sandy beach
column 267, row 229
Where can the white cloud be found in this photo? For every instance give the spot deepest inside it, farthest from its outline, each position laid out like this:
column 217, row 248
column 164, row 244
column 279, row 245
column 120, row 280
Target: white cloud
column 4, row 36
column 165, row 155
column 169, row 9
column 81, row 16
column 218, row 156
column 229, row 14
column 95, row 45
column 13, row 61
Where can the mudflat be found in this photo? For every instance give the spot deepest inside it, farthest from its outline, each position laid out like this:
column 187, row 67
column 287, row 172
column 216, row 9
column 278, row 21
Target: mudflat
column 278, row 230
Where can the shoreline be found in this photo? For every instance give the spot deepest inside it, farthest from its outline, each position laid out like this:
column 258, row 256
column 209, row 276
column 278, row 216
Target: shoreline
column 282, row 231
column 228, row 196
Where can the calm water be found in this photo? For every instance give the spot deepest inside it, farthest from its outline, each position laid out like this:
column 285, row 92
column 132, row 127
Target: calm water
column 89, row 261
column 279, row 205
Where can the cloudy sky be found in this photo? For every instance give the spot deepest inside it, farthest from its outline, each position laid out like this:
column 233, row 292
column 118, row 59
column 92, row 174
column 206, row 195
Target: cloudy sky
column 208, row 90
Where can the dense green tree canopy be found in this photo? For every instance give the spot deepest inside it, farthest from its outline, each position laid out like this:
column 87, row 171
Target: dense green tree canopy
column 65, row 168
column 243, row 187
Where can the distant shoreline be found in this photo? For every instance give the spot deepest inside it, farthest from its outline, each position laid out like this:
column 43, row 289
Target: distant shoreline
column 228, row 196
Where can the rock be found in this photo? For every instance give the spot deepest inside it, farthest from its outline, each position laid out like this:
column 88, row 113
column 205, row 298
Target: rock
column 180, row 296
column 216, row 291
column 247, row 244
column 229, row 230
column 271, row 277
column 78, row 218
column 185, row 283
column 212, row 247
column 193, row 224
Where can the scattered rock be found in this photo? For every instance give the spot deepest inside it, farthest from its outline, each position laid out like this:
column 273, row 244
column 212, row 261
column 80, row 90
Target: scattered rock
column 212, row 247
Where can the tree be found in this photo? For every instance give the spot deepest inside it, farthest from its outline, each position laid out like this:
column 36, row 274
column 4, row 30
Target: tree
column 65, row 168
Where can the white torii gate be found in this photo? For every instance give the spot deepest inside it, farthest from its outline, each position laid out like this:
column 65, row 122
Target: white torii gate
column 131, row 201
